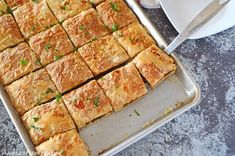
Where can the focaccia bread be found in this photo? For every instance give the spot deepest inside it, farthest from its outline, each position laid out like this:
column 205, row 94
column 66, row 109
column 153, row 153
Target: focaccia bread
column 115, row 14
column 154, row 64
column 47, row 120
column 134, row 39
column 16, row 3
column 31, row 90
column 9, row 32
column 69, row 72
column 87, row 103
column 123, row 86
column 51, row 44
column 64, row 9
column 67, row 144
column 103, row 54
column 33, row 18
column 85, row 27
column 17, row 62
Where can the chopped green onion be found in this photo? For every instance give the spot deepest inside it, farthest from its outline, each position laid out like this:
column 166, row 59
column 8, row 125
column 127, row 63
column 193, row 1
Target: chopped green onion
column 37, row 62
column 81, row 27
column 24, row 62
column 35, row 119
column 47, row 47
column 96, row 101
column 35, row 127
column 136, row 112
column 35, row 1
column 58, row 97
column 114, row 27
column 57, row 58
column 114, row 6
column 33, row 28
column 49, row 90
column 62, row 152
column 94, row 38
column 9, row 10
column 102, row 78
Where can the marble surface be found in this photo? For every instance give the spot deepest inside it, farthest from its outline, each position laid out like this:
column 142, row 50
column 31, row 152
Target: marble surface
column 207, row 129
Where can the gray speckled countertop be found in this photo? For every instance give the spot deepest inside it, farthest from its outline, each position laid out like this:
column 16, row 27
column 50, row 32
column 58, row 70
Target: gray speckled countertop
column 207, row 129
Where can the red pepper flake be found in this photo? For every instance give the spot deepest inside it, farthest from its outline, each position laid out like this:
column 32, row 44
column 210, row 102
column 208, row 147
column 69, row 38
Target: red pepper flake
column 80, row 105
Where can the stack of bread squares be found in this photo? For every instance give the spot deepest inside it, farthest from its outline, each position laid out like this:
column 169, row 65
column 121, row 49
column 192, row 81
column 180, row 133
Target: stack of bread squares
column 66, row 63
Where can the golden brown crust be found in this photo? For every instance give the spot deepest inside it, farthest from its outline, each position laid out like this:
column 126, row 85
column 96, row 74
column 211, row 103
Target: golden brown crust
column 85, row 27
column 87, row 103
column 31, row 90
column 33, row 18
column 17, row 62
column 154, row 64
column 69, row 72
column 50, row 44
column 3, row 7
column 47, row 120
column 67, row 8
column 134, row 39
column 103, row 54
column 16, row 3
column 115, row 14
column 66, row 144
column 9, row 33
column 123, row 86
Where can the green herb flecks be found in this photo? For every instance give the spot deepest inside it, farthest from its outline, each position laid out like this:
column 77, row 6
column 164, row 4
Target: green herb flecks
column 33, row 28
column 96, row 101
column 35, row 119
column 47, row 47
column 24, row 62
column 35, row 127
column 49, row 90
column 37, row 62
column 35, row 1
column 81, row 27
column 62, row 152
column 58, row 97
column 9, row 10
column 102, row 78
column 57, row 57
column 136, row 112
column 114, row 27
column 114, row 6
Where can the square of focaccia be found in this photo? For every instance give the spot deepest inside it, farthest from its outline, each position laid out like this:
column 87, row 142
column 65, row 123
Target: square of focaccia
column 115, row 14
column 16, row 3
column 154, row 64
column 68, row 144
column 69, row 72
column 31, row 90
column 85, row 27
column 87, row 103
column 33, row 18
column 9, row 33
column 47, row 120
column 123, row 86
column 103, row 54
column 64, row 9
column 3, row 7
column 17, row 62
column 51, row 44
column 134, row 39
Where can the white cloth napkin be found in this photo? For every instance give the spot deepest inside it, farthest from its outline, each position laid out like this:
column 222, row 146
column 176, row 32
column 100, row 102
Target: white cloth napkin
column 150, row 4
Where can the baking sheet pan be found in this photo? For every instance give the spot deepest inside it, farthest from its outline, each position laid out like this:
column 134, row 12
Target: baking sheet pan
column 113, row 133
